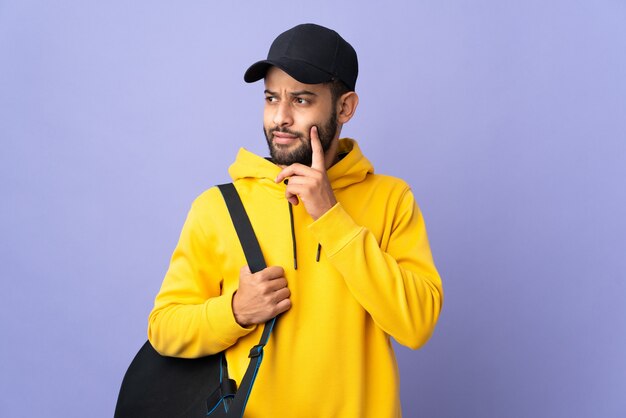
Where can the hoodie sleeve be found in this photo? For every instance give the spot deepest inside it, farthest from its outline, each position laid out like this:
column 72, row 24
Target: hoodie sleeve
column 399, row 287
column 191, row 317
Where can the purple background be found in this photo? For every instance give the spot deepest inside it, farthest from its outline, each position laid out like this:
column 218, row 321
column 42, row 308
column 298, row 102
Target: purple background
column 507, row 118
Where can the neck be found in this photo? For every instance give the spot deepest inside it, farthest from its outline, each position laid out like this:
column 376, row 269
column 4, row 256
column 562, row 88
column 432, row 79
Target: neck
column 331, row 156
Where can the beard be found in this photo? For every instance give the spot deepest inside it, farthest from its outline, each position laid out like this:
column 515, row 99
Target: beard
column 302, row 153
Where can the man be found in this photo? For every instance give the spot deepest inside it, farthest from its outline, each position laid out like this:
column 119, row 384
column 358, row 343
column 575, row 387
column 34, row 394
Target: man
column 349, row 261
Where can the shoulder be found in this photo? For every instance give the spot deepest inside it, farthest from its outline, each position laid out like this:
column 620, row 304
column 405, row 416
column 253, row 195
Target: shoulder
column 390, row 185
column 208, row 198
column 207, row 207
column 396, row 193
column 389, row 181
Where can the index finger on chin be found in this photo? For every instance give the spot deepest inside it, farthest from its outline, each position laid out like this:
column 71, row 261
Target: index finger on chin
column 317, row 161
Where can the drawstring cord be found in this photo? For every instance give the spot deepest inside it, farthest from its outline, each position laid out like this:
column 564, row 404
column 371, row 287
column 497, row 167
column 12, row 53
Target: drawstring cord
column 293, row 238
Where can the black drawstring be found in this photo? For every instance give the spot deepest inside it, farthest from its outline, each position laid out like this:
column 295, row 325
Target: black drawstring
column 293, row 239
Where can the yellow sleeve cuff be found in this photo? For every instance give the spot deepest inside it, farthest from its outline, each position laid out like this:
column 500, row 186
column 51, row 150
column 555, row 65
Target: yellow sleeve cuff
column 335, row 229
column 219, row 313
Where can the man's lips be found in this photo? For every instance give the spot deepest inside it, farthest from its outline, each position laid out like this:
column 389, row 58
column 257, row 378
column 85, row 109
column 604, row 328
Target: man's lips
column 283, row 138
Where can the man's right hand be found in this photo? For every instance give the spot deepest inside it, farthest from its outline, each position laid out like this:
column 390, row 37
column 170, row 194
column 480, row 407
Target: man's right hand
column 261, row 296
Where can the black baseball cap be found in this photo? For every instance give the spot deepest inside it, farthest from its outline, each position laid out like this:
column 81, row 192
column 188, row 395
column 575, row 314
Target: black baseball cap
column 311, row 54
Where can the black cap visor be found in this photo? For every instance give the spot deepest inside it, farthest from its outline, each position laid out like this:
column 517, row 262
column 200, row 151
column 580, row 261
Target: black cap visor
column 300, row 70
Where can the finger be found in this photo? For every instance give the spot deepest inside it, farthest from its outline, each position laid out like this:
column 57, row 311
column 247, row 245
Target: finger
column 282, row 306
column 302, row 180
column 293, row 170
column 281, row 295
column 302, row 190
column 292, row 198
column 272, row 272
column 292, row 195
column 245, row 271
column 277, row 284
column 318, row 162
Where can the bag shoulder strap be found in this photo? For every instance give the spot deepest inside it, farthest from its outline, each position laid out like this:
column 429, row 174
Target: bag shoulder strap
column 242, row 224
column 256, row 262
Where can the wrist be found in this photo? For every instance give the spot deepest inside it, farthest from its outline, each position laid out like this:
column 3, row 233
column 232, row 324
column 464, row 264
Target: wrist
column 331, row 204
column 238, row 317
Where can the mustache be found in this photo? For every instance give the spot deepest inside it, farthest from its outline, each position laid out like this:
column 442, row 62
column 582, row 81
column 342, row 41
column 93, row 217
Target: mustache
column 286, row 131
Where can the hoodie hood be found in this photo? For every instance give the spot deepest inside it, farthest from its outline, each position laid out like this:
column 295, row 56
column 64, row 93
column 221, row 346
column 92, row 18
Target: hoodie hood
column 352, row 167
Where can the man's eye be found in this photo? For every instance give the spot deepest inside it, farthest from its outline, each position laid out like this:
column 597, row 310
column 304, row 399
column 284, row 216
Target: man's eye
column 300, row 100
column 270, row 99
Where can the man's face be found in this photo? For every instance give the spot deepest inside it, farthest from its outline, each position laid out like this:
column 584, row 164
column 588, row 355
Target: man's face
column 291, row 109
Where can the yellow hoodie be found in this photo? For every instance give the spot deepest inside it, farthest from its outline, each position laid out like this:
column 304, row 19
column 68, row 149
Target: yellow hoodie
column 330, row 355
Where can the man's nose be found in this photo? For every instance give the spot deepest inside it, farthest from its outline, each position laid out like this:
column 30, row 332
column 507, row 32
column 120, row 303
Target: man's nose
column 283, row 116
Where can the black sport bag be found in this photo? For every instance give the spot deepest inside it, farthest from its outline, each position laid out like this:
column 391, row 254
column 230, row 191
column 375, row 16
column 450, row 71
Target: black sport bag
column 156, row 386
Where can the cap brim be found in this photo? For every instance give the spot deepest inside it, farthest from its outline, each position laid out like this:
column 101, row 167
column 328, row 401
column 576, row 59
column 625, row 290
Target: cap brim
column 300, row 70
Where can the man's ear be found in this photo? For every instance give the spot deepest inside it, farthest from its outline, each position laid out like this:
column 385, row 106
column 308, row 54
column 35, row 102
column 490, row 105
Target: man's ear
column 346, row 106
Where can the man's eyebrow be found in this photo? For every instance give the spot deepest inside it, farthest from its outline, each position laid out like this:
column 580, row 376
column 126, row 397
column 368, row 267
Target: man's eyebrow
column 293, row 93
column 302, row 93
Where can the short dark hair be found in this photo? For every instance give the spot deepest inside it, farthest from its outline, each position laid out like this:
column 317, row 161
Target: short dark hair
column 337, row 89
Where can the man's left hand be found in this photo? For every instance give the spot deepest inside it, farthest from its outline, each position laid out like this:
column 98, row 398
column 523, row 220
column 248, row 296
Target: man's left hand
column 310, row 184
